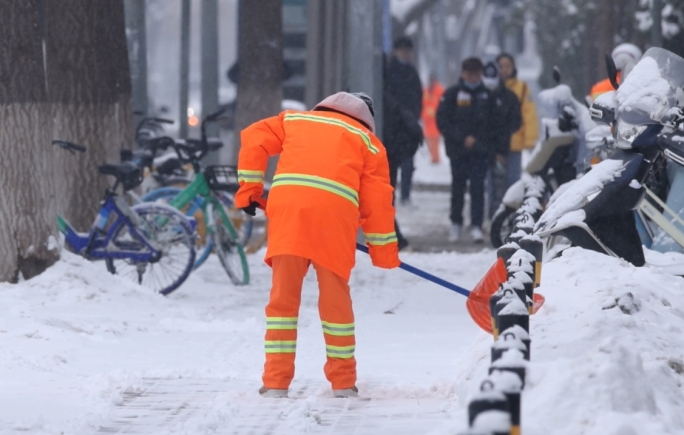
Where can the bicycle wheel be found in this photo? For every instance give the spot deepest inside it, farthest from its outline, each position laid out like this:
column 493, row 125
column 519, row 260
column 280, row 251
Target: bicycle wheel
column 203, row 245
column 169, row 232
column 230, row 252
column 242, row 222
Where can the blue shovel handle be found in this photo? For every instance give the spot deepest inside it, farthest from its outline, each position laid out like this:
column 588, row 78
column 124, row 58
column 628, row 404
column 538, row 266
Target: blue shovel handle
column 424, row 275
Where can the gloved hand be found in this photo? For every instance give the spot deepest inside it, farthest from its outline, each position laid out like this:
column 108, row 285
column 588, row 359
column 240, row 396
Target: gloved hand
column 251, row 208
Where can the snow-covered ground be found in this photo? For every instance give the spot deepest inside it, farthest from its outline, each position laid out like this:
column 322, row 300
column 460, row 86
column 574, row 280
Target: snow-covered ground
column 429, row 173
column 84, row 352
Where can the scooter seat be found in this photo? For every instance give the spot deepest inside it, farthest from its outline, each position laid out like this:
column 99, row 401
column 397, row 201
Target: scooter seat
column 548, row 147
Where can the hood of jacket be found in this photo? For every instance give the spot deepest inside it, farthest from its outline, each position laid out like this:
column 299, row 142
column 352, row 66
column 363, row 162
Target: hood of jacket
column 350, row 105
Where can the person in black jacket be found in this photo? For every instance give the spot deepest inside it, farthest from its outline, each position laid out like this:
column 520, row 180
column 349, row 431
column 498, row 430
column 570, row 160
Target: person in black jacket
column 506, row 120
column 403, row 103
column 464, row 117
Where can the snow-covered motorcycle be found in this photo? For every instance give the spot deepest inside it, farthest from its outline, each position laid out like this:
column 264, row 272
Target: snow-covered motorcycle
column 597, row 211
column 553, row 160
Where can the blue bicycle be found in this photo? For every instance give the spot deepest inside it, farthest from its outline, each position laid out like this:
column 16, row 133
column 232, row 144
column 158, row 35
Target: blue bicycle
column 150, row 244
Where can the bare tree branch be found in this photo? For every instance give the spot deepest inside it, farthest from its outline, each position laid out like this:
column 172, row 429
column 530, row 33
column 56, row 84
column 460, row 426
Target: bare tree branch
column 416, row 10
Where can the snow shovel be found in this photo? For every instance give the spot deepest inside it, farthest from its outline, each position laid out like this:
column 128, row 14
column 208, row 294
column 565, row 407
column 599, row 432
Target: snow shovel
column 478, row 299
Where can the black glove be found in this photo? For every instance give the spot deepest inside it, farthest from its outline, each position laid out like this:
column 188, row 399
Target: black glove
column 251, row 208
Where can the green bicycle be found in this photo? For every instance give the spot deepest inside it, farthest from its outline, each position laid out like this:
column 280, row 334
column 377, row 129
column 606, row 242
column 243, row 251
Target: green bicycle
column 204, row 193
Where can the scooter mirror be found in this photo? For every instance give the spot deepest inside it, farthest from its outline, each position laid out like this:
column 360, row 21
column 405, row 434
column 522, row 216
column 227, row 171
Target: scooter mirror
column 602, row 114
column 612, row 71
column 672, row 145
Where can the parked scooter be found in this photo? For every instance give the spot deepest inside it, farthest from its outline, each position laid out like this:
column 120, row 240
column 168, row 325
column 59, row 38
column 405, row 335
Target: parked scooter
column 553, row 160
column 597, row 211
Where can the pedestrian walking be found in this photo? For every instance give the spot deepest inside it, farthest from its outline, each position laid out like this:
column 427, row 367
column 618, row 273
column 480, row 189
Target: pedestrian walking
column 332, row 176
column 526, row 136
column 506, row 120
column 464, row 119
column 431, row 96
column 403, row 132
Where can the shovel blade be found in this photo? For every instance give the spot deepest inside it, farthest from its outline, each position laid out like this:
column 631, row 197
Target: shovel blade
column 478, row 301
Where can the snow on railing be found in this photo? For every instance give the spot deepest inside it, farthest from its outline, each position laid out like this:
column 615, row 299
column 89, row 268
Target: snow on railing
column 495, row 409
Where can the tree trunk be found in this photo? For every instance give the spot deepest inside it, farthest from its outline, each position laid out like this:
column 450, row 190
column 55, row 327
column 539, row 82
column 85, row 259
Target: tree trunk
column 27, row 204
column 90, row 93
column 260, row 90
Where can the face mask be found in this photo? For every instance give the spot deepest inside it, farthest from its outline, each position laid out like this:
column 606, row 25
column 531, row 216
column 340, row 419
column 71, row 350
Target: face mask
column 490, row 83
column 470, row 85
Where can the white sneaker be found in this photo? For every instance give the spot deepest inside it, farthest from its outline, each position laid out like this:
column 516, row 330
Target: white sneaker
column 477, row 235
column 272, row 393
column 347, row 392
column 454, row 232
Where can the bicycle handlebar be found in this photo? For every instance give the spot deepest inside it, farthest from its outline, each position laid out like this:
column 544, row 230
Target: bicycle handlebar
column 149, row 119
column 69, row 146
column 160, row 120
column 189, row 150
column 157, row 143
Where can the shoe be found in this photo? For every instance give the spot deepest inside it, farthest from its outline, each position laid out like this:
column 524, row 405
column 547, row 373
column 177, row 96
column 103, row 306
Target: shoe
column 406, row 203
column 477, row 235
column 272, row 393
column 347, row 392
column 454, row 233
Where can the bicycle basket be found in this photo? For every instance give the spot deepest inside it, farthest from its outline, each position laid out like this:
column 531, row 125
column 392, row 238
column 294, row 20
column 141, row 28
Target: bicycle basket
column 223, row 178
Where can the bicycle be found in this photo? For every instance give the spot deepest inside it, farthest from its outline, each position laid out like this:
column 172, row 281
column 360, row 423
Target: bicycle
column 171, row 176
column 150, row 244
column 203, row 195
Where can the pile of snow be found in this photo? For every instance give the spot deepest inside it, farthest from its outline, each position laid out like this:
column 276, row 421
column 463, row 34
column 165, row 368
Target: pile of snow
column 607, row 353
column 554, row 101
column 87, row 352
column 574, row 196
column 645, row 90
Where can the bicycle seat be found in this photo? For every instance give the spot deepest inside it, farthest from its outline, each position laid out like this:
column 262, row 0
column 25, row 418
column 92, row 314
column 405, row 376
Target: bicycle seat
column 127, row 173
column 169, row 166
column 142, row 158
column 157, row 143
column 214, row 143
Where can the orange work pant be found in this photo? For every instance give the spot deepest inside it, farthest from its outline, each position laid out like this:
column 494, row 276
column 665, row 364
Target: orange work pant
column 282, row 311
column 433, row 147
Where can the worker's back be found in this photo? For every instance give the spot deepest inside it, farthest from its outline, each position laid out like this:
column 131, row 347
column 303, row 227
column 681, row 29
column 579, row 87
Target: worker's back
column 332, row 176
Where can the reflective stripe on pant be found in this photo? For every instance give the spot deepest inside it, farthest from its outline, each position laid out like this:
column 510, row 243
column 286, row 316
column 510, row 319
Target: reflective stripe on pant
column 282, row 311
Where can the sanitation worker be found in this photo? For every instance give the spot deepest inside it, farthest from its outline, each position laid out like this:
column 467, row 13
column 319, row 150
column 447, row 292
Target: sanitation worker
column 431, row 96
column 332, row 177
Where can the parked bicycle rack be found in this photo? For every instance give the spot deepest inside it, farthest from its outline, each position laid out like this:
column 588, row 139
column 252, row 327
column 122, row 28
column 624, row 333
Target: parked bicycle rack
column 496, row 408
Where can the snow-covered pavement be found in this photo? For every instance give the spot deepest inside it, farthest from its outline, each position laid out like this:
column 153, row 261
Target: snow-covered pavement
column 84, row 352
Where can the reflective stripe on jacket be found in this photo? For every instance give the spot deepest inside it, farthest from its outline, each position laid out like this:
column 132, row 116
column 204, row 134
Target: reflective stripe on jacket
column 526, row 136
column 602, row 87
column 332, row 176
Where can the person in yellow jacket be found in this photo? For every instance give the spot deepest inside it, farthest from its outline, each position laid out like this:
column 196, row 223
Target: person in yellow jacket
column 526, row 136
column 332, row 179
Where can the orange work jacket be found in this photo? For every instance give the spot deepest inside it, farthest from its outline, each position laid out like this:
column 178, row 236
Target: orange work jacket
column 602, row 87
column 431, row 98
column 332, row 176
